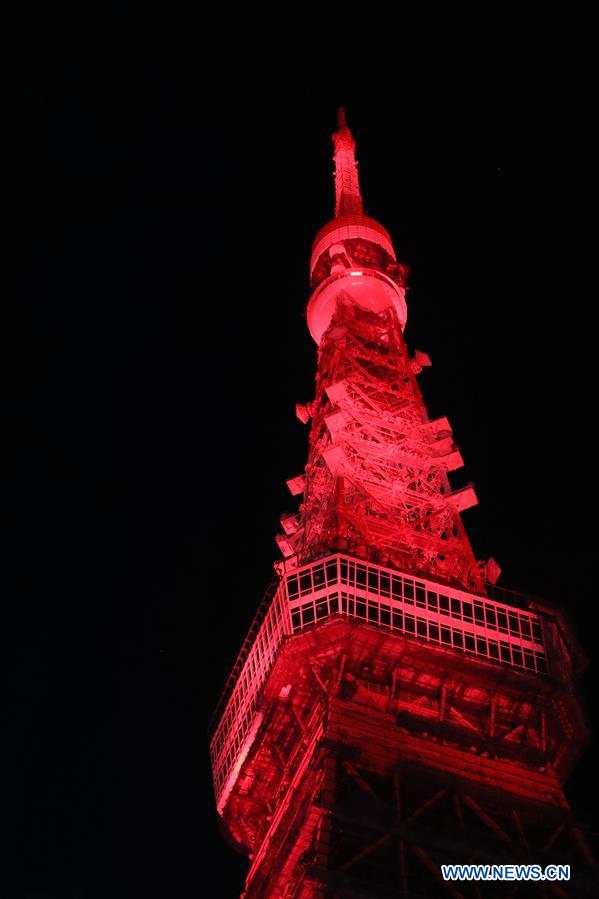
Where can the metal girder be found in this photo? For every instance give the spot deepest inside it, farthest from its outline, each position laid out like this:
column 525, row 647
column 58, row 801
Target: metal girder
column 370, row 427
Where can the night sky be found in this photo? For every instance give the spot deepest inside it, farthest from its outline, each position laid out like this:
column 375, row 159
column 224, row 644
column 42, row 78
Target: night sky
column 173, row 174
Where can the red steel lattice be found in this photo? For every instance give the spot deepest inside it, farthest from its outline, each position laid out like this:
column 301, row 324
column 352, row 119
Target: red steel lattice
column 389, row 710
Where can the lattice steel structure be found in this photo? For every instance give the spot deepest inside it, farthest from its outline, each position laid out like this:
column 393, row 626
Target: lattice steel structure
column 391, row 708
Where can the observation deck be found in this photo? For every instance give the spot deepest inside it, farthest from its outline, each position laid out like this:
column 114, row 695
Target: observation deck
column 520, row 635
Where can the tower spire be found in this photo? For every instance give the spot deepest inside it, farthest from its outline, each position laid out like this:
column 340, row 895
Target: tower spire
column 348, row 199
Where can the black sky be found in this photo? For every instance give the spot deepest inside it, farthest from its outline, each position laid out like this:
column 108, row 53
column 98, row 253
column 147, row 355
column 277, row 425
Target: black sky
column 173, row 175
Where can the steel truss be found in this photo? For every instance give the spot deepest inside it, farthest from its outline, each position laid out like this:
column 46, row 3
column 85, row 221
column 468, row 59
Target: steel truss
column 377, row 476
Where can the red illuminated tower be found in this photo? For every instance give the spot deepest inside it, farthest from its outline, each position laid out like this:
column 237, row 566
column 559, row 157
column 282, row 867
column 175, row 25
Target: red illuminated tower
column 391, row 709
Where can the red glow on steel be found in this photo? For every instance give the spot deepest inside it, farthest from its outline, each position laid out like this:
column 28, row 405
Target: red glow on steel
column 348, row 199
column 383, row 660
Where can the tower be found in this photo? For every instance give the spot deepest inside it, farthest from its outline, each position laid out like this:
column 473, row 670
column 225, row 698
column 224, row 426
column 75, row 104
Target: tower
column 391, row 709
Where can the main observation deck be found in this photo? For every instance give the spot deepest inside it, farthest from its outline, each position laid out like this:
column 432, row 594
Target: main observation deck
column 518, row 635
